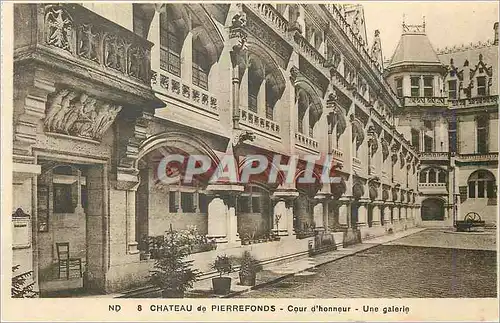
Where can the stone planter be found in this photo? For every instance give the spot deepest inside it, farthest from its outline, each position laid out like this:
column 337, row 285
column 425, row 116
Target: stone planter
column 221, row 285
column 247, row 279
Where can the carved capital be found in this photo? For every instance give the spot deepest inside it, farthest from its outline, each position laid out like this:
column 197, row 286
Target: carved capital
column 241, row 136
column 131, row 132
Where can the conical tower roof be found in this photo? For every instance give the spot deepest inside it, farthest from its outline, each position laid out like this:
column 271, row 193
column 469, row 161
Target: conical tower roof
column 414, row 48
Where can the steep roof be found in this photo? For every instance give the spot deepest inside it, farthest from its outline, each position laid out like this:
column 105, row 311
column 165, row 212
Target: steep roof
column 414, row 48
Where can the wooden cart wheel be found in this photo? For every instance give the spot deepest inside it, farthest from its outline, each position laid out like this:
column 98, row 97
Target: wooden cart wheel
column 472, row 217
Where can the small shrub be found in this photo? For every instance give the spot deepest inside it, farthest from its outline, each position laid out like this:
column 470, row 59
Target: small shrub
column 249, row 264
column 223, row 265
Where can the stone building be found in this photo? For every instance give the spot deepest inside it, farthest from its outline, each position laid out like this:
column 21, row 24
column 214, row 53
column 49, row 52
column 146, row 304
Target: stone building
column 449, row 112
column 102, row 92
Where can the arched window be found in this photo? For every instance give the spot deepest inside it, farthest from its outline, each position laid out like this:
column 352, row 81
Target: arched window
column 171, row 39
column 482, row 184
column 432, row 176
column 423, row 177
column 442, row 176
column 201, row 65
column 254, row 82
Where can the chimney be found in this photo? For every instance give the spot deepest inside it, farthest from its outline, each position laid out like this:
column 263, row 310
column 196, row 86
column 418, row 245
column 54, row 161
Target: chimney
column 495, row 28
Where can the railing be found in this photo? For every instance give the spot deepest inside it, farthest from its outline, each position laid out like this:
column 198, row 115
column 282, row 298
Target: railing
column 270, row 14
column 337, row 154
column 434, row 155
column 362, row 49
column 409, row 101
column 309, row 50
column 432, row 184
column 474, row 102
column 174, row 87
column 306, row 141
column 251, row 119
column 356, row 163
column 72, row 29
column 478, row 157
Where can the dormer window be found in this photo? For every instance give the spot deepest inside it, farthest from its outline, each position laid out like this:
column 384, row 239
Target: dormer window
column 452, row 89
column 481, row 86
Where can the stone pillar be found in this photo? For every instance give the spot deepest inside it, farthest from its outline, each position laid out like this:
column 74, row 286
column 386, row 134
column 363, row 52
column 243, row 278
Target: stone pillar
column 244, row 90
column 128, row 184
column 395, row 214
column 222, row 218
column 362, row 214
column 387, row 214
column 376, row 215
column 131, row 243
column 187, row 58
column 344, row 206
column 232, row 219
column 280, row 218
column 318, row 211
column 284, row 208
column 217, row 223
column 154, row 37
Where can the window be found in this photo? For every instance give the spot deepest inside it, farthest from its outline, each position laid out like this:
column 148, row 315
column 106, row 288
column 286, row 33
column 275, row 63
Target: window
column 472, row 189
column 428, row 144
column 482, row 184
column 254, row 82
column 452, row 135
column 244, row 204
column 399, row 87
column 271, row 99
column 172, row 202
column 203, row 201
column 428, row 86
column 491, row 189
column 200, row 65
column 428, row 124
column 482, row 134
column 432, row 176
column 256, row 204
column 481, row 86
column 415, row 139
column 423, row 177
column 415, row 86
column 187, row 202
column 170, row 48
column 442, row 177
column 452, row 89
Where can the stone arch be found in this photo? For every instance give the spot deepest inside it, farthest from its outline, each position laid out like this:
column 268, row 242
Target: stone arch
column 263, row 178
column 433, row 209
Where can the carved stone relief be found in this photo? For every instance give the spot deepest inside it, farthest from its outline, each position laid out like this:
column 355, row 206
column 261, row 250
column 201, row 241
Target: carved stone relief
column 77, row 114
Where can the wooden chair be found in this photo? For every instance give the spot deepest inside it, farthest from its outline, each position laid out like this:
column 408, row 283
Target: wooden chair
column 66, row 263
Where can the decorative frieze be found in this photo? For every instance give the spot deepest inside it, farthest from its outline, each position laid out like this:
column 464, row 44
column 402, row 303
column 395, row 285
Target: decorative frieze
column 77, row 114
column 85, row 35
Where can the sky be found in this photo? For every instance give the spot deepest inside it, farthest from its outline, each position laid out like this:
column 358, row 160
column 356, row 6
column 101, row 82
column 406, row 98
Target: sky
column 447, row 23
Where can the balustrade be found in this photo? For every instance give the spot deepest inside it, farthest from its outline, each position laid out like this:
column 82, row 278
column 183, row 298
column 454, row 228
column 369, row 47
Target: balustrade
column 306, row 141
column 253, row 120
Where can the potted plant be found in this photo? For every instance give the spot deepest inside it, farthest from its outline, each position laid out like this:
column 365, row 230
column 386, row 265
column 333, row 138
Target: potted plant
column 249, row 267
column 222, row 285
column 172, row 272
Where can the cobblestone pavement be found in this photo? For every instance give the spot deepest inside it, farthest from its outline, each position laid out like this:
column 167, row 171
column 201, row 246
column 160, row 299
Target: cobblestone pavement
column 398, row 271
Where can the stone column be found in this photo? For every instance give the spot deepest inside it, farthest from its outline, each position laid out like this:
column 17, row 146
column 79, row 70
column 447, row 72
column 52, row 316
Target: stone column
column 344, row 206
column 232, row 219
column 395, row 214
column 187, row 58
column 362, row 214
column 128, row 184
column 387, row 214
column 280, row 218
column 222, row 218
column 154, row 37
column 376, row 215
column 217, row 224
column 289, row 209
column 318, row 211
